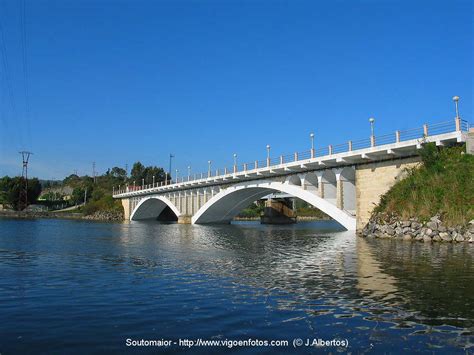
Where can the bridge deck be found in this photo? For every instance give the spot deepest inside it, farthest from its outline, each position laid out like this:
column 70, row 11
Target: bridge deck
column 400, row 144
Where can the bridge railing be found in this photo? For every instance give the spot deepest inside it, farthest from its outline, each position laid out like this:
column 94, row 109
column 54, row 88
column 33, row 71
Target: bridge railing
column 457, row 124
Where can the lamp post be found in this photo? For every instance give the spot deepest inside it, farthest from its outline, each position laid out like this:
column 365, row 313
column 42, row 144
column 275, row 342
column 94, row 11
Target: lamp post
column 311, row 135
column 189, row 172
column 456, row 100
column 235, row 163
column 143, row 183
column 268, row 154
column 153, row 180
column 372, row 136
column 209, row 168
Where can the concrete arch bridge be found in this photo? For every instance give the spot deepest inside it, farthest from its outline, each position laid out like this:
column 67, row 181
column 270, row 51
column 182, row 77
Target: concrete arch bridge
column 344, row 181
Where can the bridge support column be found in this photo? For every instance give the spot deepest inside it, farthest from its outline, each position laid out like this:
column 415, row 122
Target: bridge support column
column 339, row 192
column 184, row 219
column 320, row 186
column 126, row 208
column 339, row 189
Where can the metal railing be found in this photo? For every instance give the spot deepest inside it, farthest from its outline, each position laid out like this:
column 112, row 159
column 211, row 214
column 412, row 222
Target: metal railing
column 455, row 125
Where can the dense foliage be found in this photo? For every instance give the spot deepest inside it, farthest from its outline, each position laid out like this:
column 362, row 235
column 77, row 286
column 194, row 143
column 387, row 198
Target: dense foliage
column 10, row 188
column 443, row 185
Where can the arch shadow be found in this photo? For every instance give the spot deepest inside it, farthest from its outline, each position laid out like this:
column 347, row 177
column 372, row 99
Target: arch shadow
column 151, row 208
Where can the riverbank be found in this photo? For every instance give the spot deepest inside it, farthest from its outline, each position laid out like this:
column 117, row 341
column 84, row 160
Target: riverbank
column 302, row 218
column 434, row 230
column 98, row 216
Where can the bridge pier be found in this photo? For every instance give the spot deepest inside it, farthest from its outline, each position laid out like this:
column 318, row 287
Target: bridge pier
column 186, row 219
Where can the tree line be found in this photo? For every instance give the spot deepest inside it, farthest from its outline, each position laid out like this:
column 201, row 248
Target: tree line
column 92, row 192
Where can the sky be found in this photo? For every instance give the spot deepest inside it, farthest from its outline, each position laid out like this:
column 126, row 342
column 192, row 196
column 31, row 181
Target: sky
column 114, row 82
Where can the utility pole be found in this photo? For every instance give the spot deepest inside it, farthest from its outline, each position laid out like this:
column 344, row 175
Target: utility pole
column 171, row 157
column 23, row 203
column 93, row 171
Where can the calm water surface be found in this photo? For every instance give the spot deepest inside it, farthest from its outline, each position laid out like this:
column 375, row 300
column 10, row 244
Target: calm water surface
column 82, row 287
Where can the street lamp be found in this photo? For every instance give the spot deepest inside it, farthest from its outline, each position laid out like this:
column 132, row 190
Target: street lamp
column 372, row 120
column 177, row 175
column 153, row 180
column 209, row 168
column 235, row 159
column 311, row 135
column 456, row 100
column 268, row 154
column 189, row 172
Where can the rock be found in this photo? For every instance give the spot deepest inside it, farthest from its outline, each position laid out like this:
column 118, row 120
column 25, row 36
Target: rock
column 407, row 237
column 442, row 228
column 445, row 237
column 416, row 225
column 432, row 225
column 427, row 239
column 419, row 238
column 459, row 238
column 389, row 230
column 436, row 238
column 406, row 230
column 406, row 224
column 471, row 222
column 428, row 231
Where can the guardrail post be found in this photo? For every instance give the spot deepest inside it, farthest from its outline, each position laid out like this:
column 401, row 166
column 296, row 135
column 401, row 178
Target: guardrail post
column 296, row 156
column 425, row 130
column 281, row 159
column 330, row 149
column 458, row 123
column 350, row 146
column 397, row 136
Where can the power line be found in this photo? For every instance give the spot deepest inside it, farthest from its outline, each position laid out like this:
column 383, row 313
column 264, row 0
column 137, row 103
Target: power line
column 25, row 68
column 6, row 71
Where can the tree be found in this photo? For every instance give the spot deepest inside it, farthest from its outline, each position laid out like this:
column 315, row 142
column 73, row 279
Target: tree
column 137, row 173
column 118, row 173
column 11, row 188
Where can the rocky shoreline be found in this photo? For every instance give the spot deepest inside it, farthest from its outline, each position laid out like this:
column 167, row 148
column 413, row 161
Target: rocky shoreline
column 434, row 230
column 98, row 216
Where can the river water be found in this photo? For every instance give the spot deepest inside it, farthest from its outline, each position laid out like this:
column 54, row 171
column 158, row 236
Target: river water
column 86, row 287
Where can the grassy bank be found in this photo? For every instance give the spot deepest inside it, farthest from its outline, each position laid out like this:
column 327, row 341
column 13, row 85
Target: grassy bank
column 442, row 185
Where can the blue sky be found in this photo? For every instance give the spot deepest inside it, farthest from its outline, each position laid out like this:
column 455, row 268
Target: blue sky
column 119, row 81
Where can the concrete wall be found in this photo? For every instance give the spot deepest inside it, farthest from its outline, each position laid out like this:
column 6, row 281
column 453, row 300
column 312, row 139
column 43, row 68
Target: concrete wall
column 470, row 142
column 375, row 179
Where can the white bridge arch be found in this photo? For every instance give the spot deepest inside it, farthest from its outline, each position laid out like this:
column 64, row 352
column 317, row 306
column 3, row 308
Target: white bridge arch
column 224, row 206
column 151, row 207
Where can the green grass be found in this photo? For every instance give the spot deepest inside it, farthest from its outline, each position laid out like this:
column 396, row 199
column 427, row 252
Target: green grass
column 443, row 185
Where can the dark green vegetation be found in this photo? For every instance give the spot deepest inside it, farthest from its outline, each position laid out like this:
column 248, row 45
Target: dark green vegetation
column 443, row 185
column 98, row 194
column 10, row 188
column 88, row 194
